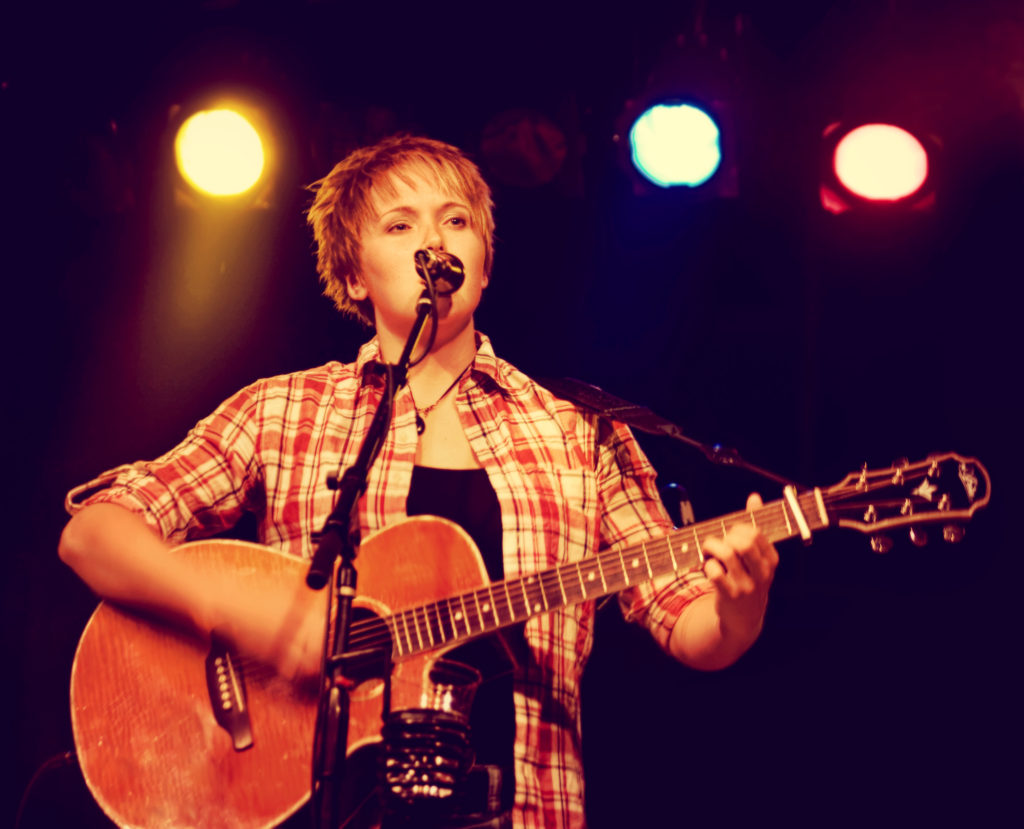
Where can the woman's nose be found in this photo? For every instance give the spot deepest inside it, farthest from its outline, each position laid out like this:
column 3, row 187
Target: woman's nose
column 433, row 238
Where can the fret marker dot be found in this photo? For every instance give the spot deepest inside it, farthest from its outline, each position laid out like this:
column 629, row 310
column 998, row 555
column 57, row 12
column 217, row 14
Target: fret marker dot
column 591, row 577
column 635, row 563
column 537, row 607
column 487, row 607
column 686, row 547
column 458, row 615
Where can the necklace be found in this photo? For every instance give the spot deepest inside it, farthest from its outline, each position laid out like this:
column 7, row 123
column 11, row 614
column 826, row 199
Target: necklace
column 421, row 425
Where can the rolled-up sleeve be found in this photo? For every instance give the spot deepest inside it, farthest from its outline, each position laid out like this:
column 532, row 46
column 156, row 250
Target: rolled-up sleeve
column 631, row 512
column 200, row 487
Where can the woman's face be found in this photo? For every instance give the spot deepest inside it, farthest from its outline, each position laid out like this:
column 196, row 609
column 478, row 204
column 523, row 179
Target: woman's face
column 415, row 215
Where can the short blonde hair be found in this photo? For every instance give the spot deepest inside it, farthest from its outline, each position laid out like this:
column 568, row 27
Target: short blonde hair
column 342, row 205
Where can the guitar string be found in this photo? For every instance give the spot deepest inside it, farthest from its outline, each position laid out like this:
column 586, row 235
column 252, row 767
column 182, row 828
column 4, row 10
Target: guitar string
column 430, row 618
column 551, row 583
column 375, row 632
column 536, row 588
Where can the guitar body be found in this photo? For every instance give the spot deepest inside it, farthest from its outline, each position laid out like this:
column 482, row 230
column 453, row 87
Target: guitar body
column 149, row 746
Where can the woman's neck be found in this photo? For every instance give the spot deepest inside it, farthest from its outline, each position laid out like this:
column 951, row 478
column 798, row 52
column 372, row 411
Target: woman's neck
column 447, row 358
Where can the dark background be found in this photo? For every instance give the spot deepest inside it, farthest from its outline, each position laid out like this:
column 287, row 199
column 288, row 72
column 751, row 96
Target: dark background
column 884, row 687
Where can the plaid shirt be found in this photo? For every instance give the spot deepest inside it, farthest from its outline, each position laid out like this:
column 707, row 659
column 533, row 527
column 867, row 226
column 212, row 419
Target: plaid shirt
column 568, row 484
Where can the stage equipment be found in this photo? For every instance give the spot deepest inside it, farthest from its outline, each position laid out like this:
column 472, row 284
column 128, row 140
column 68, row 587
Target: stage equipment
column 872, row 166
column 676, row 131
column 219, row 152
column 676, row 145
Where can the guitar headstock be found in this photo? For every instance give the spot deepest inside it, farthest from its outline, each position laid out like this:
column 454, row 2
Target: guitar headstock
column 943, row 489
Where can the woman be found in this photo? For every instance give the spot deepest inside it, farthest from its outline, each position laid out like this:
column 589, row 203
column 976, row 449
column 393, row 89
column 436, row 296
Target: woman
column 534, row 481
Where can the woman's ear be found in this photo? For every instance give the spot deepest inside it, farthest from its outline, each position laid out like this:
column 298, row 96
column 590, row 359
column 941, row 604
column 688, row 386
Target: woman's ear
column 356, row 287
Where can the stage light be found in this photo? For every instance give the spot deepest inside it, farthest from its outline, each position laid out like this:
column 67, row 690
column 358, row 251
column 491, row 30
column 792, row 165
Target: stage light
column 676, row 145
column 881, row 162
column 219, row 152
column 875, row 164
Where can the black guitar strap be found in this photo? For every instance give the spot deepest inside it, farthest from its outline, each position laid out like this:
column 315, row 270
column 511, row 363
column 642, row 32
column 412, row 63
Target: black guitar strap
column 600, row 402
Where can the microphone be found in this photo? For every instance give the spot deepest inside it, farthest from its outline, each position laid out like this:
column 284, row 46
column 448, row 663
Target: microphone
column 443, row 270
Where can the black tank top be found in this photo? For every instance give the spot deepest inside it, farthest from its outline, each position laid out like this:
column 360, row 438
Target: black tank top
column 466, row 497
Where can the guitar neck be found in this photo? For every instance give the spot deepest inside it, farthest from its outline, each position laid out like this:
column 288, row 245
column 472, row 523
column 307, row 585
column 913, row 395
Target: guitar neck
column 451, row 620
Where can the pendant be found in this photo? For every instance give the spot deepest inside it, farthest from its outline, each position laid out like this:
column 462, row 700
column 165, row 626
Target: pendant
column 420, row 425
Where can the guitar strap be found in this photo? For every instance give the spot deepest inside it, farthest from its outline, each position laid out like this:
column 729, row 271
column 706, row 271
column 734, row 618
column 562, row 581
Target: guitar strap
column 601, row 403
column 593, row 399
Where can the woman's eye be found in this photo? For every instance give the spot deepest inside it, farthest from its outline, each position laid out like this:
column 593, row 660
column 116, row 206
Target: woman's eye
column 398, row 226
column 459, row 221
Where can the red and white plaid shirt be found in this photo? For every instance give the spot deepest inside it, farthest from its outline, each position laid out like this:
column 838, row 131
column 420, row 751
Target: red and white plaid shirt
column 568, row 484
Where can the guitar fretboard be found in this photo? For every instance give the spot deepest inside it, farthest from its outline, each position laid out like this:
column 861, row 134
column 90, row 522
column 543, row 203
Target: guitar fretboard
column 448, row 621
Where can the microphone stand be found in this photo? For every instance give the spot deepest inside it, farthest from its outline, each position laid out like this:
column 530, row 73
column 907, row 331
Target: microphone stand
column 342, row 669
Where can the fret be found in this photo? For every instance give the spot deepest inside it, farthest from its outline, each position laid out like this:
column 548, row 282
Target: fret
column 671, row 554
column 579, row 578
column 437, row 622
column 526, row 596
column 785, row 514
column 451, row 617
column 508, row 598
column 396, row 639
column 622, row 563
column 725, row 530
column 479, row 612
column 577, row 587
column 753, row 519
column 494, row 606
column 465, row 614
column 561, row 585
column 434, row 624
column 700, row 549
column 426, row 624
column 481, row 609
column 647, row 558
column 405, row 623
column 600, row 571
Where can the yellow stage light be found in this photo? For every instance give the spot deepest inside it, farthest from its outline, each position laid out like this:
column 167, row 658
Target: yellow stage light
column 219, row 152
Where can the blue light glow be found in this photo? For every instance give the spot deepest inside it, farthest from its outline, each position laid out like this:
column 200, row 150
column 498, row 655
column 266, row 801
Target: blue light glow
column 676, row 145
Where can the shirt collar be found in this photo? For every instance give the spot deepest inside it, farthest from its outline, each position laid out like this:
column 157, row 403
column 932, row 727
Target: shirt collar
column 369, row 363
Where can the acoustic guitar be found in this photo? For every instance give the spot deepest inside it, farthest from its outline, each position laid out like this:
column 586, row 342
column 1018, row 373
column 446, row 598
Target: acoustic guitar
column 173, row 733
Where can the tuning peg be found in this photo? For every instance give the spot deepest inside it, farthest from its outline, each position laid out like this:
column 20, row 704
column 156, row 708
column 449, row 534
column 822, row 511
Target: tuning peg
column 918, row 536
column 898, row 466
column 881, row 543
column 953, row 533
